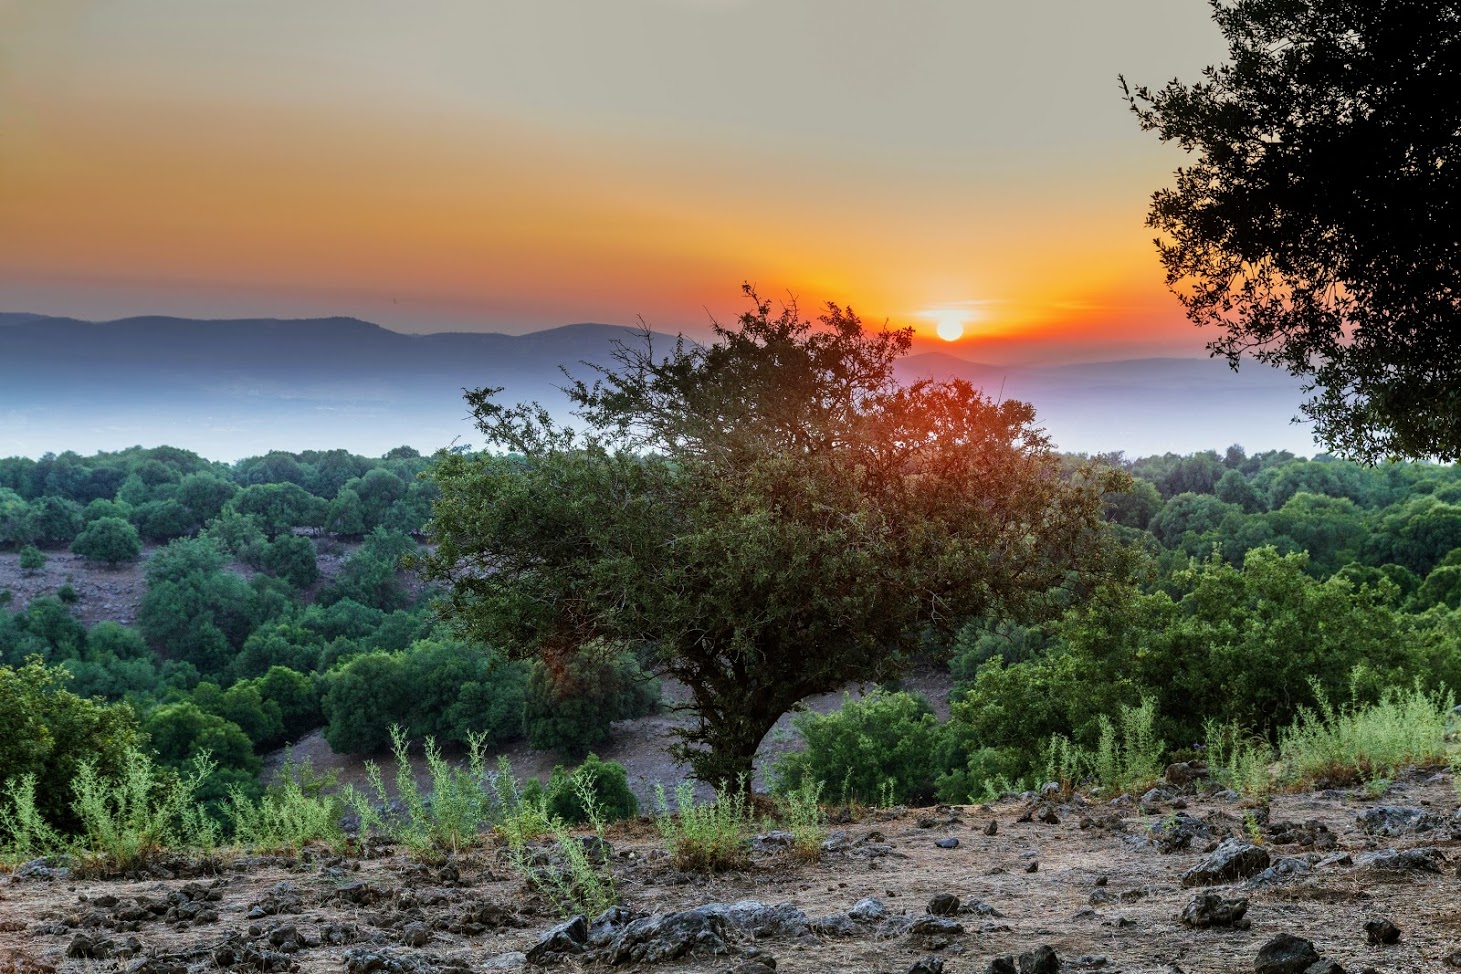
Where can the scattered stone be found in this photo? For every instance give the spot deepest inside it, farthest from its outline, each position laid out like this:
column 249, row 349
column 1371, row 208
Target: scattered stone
column 1424, row 859
column 992, row 828
column 505, row 962
column 1179, row 773
column 756, row 965
column 949, row 843
column 568, row 937
column 1208, row 909
column 671, row 936
column 1041, row 960
column 1002, row 965
column 1381, row 931
column 1282, row 871
column 1285, row 954
column 1324, row 966
column 415, row 934
column 1179, row 832
column 1232, row 860
column 772, row 841
column 1393, row 820
column 84, row 947
column 1033, row 866
column 943, row 905
column 868, row 910
column 928, row 965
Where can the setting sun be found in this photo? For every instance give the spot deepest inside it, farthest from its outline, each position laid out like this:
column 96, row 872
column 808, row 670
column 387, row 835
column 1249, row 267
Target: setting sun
column 949, row 322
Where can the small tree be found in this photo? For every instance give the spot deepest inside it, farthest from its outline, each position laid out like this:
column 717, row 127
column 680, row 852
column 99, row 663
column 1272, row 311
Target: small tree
column 32, row 559
column 765, row 518
column 108, row 539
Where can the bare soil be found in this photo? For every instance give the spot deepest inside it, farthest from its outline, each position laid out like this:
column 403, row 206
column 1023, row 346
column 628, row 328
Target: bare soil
column 1130, row 925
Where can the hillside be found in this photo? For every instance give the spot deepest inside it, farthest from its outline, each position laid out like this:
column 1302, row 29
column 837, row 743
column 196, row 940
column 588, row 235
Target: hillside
column 226, row 388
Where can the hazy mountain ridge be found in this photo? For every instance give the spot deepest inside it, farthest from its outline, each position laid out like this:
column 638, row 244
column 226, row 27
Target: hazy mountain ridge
column 234, row 386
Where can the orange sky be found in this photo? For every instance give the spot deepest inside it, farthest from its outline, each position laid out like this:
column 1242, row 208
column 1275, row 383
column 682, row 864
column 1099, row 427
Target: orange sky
column 184, row 158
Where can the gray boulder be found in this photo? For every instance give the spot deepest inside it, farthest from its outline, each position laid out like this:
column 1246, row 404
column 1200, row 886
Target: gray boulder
column 1232, row 860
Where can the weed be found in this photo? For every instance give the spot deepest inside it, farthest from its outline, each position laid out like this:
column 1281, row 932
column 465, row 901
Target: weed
column 706, row 837
column 1252, row 829
column 801, row 812
column 460, row 804
column 1065, row 763
column 1128, row 755
column 1237, row 761
column 571, row 879
column 1361, row 743
column 24, row 834
column 148, row 810
column 287, row 817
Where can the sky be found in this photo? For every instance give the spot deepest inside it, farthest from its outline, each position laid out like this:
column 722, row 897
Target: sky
column 511, row 165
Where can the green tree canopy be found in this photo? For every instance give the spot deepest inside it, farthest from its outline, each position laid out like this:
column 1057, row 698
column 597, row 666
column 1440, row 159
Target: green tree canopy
column 768, row 517
column 108, row 539
column 1317, row 225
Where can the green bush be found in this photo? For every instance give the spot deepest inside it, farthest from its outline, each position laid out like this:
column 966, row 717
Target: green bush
column 606, row 782
column 880, row 747
column 49, row 733
column 706, row 836
column 32, row 559
column 569, row 707
column 108, row 539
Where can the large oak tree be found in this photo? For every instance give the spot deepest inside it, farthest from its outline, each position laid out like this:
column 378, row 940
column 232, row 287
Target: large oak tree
column 1318, row 225
column 762, row 518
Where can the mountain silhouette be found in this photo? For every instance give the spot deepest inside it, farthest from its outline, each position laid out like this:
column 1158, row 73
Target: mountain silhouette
column 231, row 387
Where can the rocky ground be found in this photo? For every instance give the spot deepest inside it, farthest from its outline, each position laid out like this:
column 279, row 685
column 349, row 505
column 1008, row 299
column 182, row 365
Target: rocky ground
column 1183, row 879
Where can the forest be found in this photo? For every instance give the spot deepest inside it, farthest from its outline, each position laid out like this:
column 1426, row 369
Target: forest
column 1266, row 587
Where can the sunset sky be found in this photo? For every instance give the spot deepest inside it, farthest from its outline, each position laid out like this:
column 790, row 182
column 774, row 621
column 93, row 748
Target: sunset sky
column 510, row 165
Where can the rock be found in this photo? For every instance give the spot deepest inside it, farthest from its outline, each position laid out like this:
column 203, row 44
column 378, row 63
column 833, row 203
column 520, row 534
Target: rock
column 1033, row 866
column 1337, row 859
column 1285, row 954
column 1392, row 820
column 1234, row 859
column 928, row 965
column 1041, row 960
column 1282, row 871
column 1156, row 796
column 1381, row 932
column 992, row 828
column 870, row 909
column 773, row 840
column 928, row 926
column 1324, row 966
column 949, row 843
column 1046, row 814
column 1179, row 773
column 671, row 936
column 568, row 937
column 1002, row 965
column 757, row 965
column 1179, row 832
column 415, row 934
column 943, row 905
column 1207, row 909
column 1424, row 859
column 85, row 947
column 510, row 961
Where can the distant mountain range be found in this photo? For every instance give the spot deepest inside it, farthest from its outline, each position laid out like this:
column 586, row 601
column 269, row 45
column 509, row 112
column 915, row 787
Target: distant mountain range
column 229, row 388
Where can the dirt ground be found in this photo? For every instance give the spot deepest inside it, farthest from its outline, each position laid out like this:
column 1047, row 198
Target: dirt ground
column 1103, row 897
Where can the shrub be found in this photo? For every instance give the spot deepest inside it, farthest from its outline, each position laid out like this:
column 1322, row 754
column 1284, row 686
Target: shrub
column 1359, row 743
column 706, row 837
column 607, row 782
column 292, row 558
column 459, row 807
column 32, row 559
column 108, row 539
column 882, row 746
column 145, row 810
column 49, row 732
column 569, row 706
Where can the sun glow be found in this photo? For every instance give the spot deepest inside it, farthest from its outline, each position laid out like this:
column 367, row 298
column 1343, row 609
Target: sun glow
column 949, row 322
